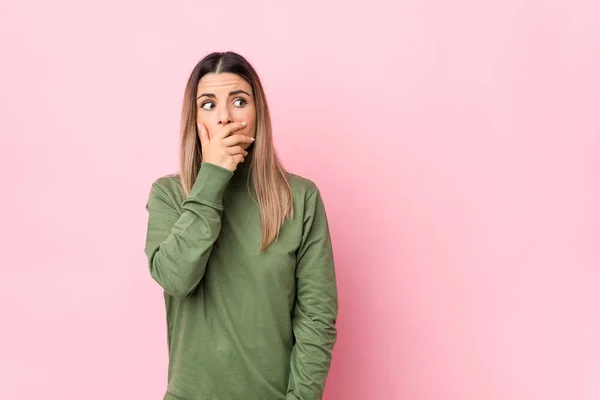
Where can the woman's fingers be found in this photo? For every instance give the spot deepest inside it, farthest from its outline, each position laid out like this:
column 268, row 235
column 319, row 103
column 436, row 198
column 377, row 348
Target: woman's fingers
column 234, row 140
column 237, row 150
column 229, row 129
column 222, row 148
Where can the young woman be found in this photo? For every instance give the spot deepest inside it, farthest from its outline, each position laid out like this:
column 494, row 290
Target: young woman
column 242, row 250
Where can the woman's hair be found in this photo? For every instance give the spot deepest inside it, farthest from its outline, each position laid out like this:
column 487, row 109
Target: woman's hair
column 274, row 196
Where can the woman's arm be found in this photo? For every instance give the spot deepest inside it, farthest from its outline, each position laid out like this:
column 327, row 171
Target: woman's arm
column 178, row 244
column 315, row 310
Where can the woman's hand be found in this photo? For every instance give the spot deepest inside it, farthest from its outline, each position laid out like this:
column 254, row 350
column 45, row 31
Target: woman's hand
column 223, row 148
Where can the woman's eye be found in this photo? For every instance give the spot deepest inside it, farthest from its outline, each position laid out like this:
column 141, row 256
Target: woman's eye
column 207, row 105
column 240, row 102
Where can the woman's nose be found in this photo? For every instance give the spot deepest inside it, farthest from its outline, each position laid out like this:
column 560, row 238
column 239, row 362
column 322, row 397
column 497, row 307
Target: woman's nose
column 224, row 117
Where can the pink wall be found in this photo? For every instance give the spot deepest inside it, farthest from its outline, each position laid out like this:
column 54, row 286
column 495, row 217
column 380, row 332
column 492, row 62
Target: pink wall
column 456, row 145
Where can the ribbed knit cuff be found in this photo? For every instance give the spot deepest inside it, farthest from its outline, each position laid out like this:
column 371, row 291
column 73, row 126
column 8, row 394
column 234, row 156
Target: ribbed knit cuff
column 211, row 183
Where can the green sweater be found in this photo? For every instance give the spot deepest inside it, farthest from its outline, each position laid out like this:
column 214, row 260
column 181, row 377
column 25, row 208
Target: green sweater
column 242, row 324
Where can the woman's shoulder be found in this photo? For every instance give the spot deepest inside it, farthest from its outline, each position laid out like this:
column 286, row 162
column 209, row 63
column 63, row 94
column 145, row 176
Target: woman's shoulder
column 168, row 181
column 167, row 186
column 301, row 185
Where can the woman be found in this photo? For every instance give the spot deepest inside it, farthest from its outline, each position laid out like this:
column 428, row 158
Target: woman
column 242, row 250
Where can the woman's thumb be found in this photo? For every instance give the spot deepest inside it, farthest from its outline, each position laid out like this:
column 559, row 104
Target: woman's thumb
column 202, row 133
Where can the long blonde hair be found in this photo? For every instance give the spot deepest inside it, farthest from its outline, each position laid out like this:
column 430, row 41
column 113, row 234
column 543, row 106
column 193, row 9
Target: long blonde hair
column 273, row 192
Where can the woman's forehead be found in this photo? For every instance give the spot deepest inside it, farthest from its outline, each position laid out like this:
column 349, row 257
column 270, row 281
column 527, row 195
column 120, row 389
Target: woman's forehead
column 225, row 81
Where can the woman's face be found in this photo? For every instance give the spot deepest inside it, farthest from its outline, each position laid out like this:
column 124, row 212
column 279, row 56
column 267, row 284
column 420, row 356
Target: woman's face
column 225, row 98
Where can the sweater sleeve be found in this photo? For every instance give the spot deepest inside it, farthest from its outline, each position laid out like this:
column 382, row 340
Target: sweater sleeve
column 178, row 243
column 316, row 306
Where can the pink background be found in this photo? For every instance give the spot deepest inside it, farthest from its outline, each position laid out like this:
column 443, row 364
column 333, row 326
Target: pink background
column 456, row 145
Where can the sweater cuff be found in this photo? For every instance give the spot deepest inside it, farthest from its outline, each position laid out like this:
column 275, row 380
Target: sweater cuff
column 211, row 183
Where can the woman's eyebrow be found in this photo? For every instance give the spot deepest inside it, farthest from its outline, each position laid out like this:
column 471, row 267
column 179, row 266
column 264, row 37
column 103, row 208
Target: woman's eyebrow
column 207, row 95
column 232, row 93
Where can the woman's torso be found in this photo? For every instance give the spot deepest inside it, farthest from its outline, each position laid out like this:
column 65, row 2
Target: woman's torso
column 232, row 337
